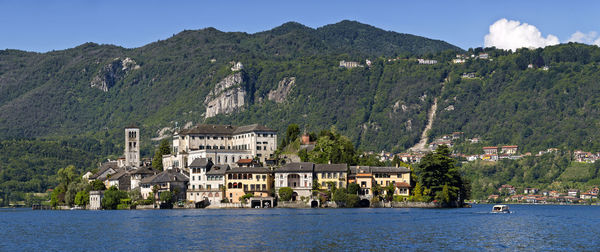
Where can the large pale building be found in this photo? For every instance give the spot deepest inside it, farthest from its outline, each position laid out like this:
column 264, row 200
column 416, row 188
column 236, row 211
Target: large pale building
column 221, row 144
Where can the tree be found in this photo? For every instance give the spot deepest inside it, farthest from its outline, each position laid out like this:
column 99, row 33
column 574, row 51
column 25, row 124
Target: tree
column 166, row 197
column 389, row 192
column 292, row 133
column 352, row 200
column 340, row 195
column 154, row 194
column 112, row 198
column 285, row 193
column 82, row 198
column 436, row 171
column 244, row 198
column 163, row 149
column 98, row 185
column 67, row 175
column 353, row 188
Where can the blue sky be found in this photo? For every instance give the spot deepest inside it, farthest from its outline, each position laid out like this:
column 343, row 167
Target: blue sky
column 53, row 25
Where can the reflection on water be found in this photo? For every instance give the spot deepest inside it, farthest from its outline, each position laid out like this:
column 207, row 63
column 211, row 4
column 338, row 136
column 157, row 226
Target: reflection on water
column 527, row 228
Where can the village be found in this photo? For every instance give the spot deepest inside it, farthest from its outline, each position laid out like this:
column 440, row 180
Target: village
column 224, row 166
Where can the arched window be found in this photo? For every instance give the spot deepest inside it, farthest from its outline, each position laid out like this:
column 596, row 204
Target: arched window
column 239, row 185
column 229, row 185
column 235, row 185
column 245, row 176
column 235, row 176
column 229, row 176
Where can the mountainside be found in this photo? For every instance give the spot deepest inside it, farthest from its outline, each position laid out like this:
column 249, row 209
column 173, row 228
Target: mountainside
column 96, row 89
column 212, row 76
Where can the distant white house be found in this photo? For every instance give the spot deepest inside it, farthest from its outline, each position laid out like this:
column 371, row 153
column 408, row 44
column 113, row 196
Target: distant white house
column 427, row 61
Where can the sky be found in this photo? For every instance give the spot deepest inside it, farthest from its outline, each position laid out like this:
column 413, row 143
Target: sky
column 48, row 25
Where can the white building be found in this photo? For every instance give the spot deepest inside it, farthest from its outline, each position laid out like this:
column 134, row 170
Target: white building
column 139, row 174
column 96, row 200
column 427, row 61
column 207, row 182
column 298, row 176
column 221, row 144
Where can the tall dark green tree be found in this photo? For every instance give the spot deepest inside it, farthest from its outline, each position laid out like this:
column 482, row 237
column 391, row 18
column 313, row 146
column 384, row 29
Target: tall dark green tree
column 440, row 178
column 163, row 149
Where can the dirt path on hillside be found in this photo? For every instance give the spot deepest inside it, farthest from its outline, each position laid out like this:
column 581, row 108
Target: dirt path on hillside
column 422, row 144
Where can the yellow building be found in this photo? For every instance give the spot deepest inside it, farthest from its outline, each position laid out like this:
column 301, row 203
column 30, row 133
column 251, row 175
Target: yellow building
column 368, row 176
column 328, row 174
column 243, row 180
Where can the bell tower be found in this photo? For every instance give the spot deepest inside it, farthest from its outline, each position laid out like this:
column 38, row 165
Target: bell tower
column 132, row 146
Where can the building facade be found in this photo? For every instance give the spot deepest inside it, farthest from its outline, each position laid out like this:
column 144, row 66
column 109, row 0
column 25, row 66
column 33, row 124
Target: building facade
column 298, row 176
column 96, row 200
column 368, row 177
column 221, row 144
column 331, row 174
column 207, row 182
column 240, row 181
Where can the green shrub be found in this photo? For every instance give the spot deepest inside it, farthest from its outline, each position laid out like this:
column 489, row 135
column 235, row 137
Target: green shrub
column 285, row 193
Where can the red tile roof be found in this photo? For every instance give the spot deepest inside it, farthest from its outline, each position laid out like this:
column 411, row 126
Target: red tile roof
column 402, row 185
column 245, row 161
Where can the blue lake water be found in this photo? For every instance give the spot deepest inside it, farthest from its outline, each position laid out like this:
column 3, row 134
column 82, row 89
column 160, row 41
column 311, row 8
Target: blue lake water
column 529, row 227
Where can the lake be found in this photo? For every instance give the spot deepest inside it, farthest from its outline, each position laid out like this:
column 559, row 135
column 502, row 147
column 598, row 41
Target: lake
column 529, row 227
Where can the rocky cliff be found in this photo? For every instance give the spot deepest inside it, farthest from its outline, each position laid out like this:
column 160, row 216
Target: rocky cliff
column 227, row 96
column 112, row 72
column 283, row 89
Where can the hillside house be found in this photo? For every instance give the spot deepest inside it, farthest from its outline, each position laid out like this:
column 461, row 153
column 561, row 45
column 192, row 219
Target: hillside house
column 490, row 150
column 427, row 61
column 572, row 192
column 510, row 149
column 349, row 64
column 530, row 191
column 468, row 75
column 508, row 189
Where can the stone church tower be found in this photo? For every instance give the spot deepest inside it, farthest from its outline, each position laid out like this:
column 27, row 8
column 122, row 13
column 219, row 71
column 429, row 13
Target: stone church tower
column 132, row 146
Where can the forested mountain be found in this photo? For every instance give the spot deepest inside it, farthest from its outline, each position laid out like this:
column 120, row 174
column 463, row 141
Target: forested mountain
column 292, row 74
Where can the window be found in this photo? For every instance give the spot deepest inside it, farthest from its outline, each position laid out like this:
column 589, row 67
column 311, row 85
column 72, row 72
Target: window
column 257, row 147
column 193, row 138
column 193, row 178
column 264, row 177
column 208, row 187
column 264, row 187
column 201, row 137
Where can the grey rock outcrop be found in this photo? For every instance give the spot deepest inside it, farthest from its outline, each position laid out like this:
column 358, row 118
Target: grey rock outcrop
column 111, row 73
column 227, row 96
column 283, row 90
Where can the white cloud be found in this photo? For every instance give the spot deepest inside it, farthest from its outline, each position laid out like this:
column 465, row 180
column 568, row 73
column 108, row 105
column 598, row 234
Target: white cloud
column 511, row 34
column 591, row 38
